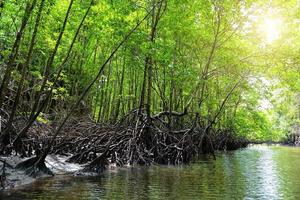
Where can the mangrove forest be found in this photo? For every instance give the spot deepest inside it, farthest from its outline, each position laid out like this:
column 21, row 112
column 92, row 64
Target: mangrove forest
column 109, row 84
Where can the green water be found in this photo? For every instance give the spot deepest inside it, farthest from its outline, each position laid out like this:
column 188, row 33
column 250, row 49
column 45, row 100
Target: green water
column 257, row 172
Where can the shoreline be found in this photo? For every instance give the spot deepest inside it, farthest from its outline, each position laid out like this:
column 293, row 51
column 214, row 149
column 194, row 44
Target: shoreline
column 15, row 178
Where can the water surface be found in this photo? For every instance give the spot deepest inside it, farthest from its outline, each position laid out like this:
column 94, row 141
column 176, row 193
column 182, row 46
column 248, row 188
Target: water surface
column 257, row 172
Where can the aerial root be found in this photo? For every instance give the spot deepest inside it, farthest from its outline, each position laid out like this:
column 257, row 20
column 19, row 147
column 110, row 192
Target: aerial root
column 166, row 138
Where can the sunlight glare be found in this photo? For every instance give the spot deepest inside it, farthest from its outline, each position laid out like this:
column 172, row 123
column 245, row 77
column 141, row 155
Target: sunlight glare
column 271, row 29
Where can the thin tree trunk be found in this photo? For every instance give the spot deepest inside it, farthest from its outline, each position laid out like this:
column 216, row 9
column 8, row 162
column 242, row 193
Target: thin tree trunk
column 120, row 91
column 24, row 69
column 36, row 110
column 39, row 161
column 50, row 62
column 148, row 62
column 15, row 50
column 28, row 60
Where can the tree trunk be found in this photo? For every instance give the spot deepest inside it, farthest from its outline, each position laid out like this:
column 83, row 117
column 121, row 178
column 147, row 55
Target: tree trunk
column 156, row 15
column 37, row 109
column 120, row 91
column 14, row 52
column 23, row 74
column 50, row 62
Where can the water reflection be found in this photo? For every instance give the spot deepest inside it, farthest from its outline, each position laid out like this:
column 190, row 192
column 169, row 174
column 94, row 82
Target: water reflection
column 268, row 175
column 261, row 174
column 258, row 172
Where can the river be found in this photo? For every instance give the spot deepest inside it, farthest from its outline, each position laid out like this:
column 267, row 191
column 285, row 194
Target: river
column 257, row 172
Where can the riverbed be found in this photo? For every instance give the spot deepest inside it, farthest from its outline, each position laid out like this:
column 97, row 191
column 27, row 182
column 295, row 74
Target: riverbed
column 256, row 172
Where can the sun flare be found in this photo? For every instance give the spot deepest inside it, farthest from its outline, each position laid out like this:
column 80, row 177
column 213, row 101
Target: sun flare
column 270, row 29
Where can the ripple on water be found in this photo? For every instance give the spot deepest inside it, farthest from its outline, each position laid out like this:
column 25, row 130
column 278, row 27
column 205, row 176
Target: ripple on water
column 258, row 172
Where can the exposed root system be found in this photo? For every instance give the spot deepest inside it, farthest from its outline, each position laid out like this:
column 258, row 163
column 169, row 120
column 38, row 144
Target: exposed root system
column 165, row 138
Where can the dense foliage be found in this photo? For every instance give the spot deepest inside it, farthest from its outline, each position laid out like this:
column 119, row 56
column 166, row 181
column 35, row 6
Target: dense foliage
column 215, row 58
